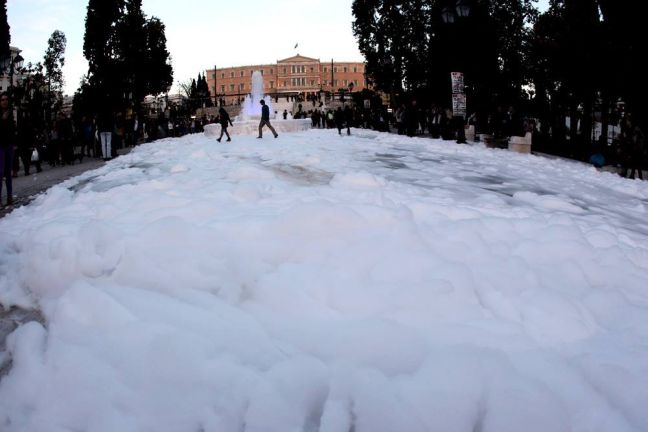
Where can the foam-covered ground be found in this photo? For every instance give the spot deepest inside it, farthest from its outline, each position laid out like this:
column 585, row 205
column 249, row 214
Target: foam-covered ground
column 321, row 283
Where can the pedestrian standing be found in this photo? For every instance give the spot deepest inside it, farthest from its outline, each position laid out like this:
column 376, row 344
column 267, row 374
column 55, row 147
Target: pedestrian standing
column 7, row 143
column 106, row 125
column 348, row 118
column 26, row 144
column 265, row 120
column 338, row 118
column 225, row 121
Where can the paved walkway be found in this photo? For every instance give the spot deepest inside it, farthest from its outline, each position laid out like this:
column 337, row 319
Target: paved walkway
column 26, row 188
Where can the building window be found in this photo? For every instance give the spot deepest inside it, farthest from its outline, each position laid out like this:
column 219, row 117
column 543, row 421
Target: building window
column 214, row 75
column 312, row 83
column 335, row 69
column 232, row 87
column 241, row 87
column 261, row 72
column 355, row 69
column 325, row 69
column 242, row 73
column 355, row 83
column 285, row 83
column 223, row 75
column 345, row 69
column 285, row 71
column 271, row 71
column 335, row 83
column 232, row 74
column 222, row 89
column 312, row 69
column 303, row 82
column 271, row 84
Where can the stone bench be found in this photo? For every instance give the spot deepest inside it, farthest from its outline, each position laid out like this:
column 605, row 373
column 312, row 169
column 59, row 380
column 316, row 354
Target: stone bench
column 521, row 144
column 470, row 133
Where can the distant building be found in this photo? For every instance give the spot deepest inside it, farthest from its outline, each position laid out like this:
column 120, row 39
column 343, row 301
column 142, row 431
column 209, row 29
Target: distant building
column 292, row 76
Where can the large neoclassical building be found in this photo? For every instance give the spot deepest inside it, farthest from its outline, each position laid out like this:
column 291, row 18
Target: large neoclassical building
column 293, row 76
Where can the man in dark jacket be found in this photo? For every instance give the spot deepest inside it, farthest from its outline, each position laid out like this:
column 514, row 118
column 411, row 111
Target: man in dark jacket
column 348, row 118
column 265, row 120
column 7, row 143
column 26, row 145
column 225, row 121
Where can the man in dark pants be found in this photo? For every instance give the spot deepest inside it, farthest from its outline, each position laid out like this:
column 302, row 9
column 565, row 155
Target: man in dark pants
column 7, row 143
column 225, row 121
column 265, row 120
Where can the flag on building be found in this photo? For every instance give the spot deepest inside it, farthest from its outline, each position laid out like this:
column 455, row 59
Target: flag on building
column 296, row 45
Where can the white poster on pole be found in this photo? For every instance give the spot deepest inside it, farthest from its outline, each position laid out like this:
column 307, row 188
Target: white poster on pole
column 459, row 104
column 457, row 82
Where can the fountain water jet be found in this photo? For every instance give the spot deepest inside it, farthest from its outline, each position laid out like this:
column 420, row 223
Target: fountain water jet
column 251, row 108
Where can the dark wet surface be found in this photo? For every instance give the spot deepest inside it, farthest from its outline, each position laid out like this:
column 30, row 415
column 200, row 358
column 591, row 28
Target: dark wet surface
column 300, row 174
column 10, row 320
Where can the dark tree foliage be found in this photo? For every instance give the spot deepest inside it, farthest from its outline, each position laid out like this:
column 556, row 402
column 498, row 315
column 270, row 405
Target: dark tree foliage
column 199, row 94
column 509, row 21
column 203, row 93
column 410, row 50
column 626, row 45
column 131, row 35
column 158, row 59
column 585, row 56
column 127, row 56
column 379, row 28
column 99, row 43
column 32, row 93
column 5, row 35
column 54, row 61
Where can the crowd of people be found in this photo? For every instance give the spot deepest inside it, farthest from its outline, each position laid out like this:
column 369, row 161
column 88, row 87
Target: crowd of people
column 68, row 140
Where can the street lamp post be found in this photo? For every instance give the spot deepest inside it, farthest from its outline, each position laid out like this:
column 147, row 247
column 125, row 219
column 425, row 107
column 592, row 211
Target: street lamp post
column 461, row 10
column 12, row 63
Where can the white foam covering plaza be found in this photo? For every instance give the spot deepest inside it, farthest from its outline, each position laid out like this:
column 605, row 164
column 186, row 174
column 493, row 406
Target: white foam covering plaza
column 365, row 283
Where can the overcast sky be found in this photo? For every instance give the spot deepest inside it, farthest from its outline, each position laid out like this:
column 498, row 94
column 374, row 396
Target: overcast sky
column 200, row 33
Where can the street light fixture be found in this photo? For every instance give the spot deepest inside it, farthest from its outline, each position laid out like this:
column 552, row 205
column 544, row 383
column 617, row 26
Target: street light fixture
column 11, row 64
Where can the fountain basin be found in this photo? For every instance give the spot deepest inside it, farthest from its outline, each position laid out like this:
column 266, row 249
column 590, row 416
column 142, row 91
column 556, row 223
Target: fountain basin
column 251, row 127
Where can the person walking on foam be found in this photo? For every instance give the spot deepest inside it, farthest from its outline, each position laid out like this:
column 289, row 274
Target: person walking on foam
column 225, row 121
column 265, row 120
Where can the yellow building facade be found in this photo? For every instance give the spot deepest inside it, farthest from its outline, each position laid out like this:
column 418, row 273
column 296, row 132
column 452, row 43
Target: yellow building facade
column 293, row 76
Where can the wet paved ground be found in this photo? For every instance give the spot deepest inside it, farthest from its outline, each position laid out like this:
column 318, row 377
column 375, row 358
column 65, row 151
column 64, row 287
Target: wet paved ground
column 26, row 188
